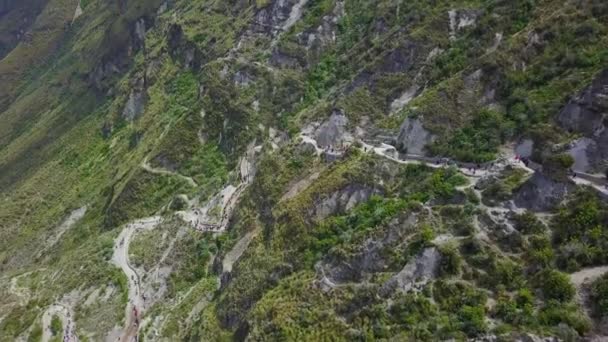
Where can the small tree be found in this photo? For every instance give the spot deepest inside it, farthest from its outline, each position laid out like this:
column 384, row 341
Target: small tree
column 558, row 165
column 555, row 285
column 599, row 296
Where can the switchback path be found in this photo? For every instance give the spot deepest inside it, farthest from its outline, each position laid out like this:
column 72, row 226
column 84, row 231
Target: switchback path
column 65, row 314
column 215, row 215
column 160, row 171
column 134, row 307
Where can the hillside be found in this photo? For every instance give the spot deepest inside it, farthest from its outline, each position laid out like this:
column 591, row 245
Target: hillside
column 303, row 170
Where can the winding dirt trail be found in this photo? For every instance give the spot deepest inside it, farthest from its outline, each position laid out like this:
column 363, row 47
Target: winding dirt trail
column 155, row 170
column 602, row 188
column 135, row 306
column 65, row 314
column 208, row 217
column 581, row 281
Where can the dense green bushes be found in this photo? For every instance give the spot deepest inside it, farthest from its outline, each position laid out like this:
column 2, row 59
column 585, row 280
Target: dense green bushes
column 477, row 141
column 339, row 230
column 580, row 235
column 555, row 285
column 599, row 296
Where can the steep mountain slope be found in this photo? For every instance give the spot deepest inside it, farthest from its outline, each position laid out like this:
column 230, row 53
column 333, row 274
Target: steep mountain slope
column 303, row 170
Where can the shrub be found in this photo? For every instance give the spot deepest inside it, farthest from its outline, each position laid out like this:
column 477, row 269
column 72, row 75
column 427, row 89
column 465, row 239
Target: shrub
column 558, row 165
column 528, row 223
column 555, row 285
column 599, row 296
column 451, row 261
column 478, row 141
column 580, row 231
column 473, row 320
column 555, row 314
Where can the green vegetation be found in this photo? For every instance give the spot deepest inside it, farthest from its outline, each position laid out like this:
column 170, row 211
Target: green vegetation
column 56, row 328
column 580, row 232
column 501, row 188
column 478, row 141
column 555, row 286
column 217, row 76
column 599, row 296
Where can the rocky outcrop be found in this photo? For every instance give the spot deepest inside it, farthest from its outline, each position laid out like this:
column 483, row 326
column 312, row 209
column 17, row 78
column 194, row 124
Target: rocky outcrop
column 585, row 152
column 135, row 105
column 269, row 18
column 116, row 61
column 243, row 78
column 417, row 272
column 413, row 137
column 406, row 58
column 182, row 49
column 525, row 148
column 587, row 114
column 107, row 68
column 460, row 19
column 16, row 18
column 400, row 59
column 333, row 131
column 370, row 257
column 342, row 201
column 542, row 193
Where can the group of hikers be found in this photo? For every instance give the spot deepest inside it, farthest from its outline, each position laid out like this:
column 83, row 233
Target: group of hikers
column 69, row 335
column 198, row 225
column 332, row 149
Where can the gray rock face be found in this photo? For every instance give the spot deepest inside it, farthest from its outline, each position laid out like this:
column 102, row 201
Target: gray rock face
column 541, row 193
column 139, row 33
column 342, row 201
column 307, row 147
column 242, row 78
column 333, row 131
column 270, row 18
column 460, row 19
column 182, row 49
column 401, row 59
column 413, row 138
column 135, row 106
column 371, row 255
column 423, row 268
column 587, row 114
column 283, row 60
column 105, row 70
column 164, row 6
column 525, row 148
column 582, row 150
column 118, row 60
column 136, row 103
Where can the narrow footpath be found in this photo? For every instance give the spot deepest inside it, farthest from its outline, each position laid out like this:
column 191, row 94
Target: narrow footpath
column 135, row 305
column 66, row 316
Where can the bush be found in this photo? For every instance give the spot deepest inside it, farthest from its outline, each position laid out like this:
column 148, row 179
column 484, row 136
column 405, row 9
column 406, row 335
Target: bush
column 506, row 273
column 518, row 310
column 558, row 165
column 478, row 141
column 555, row 314
column 599, row 296
column 56, row 326
column 540, row 254
column 580, row 231
column 473, row 320
column 528, row 223
column 451, row 261
column 555, row 285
